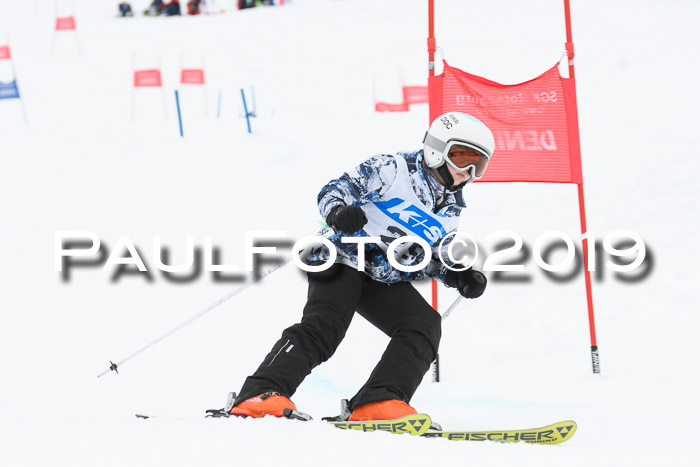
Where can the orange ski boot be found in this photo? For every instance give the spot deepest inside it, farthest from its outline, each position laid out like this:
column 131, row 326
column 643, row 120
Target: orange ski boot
column 269, row 403
column 381, row 410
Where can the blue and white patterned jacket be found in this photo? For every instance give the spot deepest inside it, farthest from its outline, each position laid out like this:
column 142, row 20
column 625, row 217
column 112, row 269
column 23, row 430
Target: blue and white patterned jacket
column 367, row 183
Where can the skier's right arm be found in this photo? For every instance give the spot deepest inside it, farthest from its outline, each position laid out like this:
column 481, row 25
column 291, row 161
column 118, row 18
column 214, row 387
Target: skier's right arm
column 340, row 200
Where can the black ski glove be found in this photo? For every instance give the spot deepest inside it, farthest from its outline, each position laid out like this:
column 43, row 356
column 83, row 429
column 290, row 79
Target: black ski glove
column 470, row 283
column 347, row 219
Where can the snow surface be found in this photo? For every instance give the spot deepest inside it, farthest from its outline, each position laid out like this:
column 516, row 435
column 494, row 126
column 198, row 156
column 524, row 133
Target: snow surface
column 517, row 357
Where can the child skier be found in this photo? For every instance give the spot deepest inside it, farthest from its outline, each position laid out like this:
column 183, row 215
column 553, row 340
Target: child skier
column 408, row 194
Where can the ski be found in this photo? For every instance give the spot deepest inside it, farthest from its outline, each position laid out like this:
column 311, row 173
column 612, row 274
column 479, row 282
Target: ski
column 551, row 434
column 218, row 413
column 168, row 417
column 223, row 413
column 420, row 425
column 415, row 424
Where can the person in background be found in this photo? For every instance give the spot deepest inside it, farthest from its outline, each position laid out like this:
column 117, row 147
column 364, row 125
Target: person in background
column 172, row 8
column 125, row 9
column 193, row 7
column 155, row 9
column 243, row 4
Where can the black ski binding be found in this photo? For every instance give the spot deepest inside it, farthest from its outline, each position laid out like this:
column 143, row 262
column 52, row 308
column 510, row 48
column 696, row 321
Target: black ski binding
column 296, row 415
column 226, row 411
column 344, row 413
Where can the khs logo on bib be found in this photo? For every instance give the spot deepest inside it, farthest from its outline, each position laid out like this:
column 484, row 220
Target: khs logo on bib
column 413, row 218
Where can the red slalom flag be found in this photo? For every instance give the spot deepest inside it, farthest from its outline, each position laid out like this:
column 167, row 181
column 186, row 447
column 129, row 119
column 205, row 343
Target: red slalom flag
column 535, row 123
column 65, row 23
column 147, row 78
column 192, row 76
column 387, row 107
column 415, row 95
column 5, row 52
column 411, row 95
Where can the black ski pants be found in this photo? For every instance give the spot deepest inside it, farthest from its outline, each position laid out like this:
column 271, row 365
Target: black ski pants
column 334, row 295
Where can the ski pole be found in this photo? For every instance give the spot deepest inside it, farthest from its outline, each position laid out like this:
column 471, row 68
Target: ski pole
column 179, row 114
column 114, row 366
column 436, row 362
column 452, row 307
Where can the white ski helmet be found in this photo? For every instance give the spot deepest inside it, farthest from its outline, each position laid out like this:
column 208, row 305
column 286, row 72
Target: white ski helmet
column 455, row 128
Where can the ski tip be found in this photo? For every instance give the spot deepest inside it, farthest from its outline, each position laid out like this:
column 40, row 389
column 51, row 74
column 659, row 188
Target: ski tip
column 565, row 429
column 555, row 433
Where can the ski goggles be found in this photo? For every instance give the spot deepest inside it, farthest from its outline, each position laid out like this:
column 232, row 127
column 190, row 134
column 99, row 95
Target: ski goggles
column 463, row 156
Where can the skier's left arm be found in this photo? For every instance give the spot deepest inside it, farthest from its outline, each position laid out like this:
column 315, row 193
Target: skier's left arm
column 436, row 269
column 470, row 283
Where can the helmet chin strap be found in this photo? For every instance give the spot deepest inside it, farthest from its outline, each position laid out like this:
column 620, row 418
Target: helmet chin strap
column 449, row 180
column 446, row 175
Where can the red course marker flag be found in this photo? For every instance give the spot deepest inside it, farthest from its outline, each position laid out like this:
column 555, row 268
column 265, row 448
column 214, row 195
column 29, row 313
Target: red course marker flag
column 147, row 78
column 66, row 23
column 387, row 107
column 5, row 52
column 411, row 95
column 415, row 95
column 534, row 123
column 192, row 76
